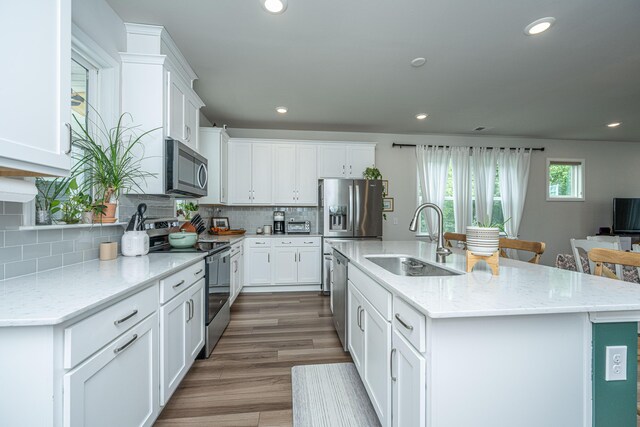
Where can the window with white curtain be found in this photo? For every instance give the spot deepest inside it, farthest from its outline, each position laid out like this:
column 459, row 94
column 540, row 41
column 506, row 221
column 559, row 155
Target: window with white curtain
column 447, row 208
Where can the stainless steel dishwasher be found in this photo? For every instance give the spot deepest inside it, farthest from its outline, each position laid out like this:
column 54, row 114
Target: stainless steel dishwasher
column 339, row 292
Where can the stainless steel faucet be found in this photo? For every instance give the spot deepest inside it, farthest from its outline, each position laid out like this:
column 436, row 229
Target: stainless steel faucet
column 441, row 251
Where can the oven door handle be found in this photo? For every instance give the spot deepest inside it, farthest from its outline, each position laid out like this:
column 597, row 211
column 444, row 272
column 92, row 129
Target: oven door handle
column 216, row 257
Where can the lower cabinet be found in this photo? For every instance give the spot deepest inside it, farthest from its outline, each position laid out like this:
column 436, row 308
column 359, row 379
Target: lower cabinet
column 181, row 337
column 408, row 382
column 258, row 266
column 369, row 338
column 118, row 386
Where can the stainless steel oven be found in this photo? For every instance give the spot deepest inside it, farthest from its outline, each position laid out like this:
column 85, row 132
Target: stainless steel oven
column 186, row 171
column 217, row 287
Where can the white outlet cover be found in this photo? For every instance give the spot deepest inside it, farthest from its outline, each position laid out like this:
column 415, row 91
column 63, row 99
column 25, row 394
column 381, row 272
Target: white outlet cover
column 616, row 360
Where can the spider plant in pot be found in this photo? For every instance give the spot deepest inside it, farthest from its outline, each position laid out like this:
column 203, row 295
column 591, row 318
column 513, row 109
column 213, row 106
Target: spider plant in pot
column 110, row 159
column 48, row 198
column 484, row 238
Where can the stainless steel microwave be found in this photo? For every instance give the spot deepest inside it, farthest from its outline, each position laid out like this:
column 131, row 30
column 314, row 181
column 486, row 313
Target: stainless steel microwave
column 186, row 171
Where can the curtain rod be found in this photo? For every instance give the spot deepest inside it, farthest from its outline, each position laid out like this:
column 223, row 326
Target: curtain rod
column 395, row 144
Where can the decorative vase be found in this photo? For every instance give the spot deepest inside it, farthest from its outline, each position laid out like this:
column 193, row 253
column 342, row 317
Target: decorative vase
column 87, row 217
column 43, row 217
column 483, row 241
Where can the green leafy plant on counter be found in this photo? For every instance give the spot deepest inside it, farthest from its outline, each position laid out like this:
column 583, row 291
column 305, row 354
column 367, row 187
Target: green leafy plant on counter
column 374, row 173
column 185, row 209
column 498, row 225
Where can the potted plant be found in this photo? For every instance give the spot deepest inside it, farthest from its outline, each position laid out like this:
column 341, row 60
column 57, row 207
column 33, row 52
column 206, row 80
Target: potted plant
column 71, row 208
column 185, row 209
column 484, row 238
column 374, row 173
column 110, row 163
column 47, row 199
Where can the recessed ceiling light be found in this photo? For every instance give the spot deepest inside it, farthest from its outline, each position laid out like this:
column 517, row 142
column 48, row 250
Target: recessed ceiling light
column 418, row 62
column 614, row 124
column 282, row 110
column 422, row 116
column 275, row 7
column 539, row 26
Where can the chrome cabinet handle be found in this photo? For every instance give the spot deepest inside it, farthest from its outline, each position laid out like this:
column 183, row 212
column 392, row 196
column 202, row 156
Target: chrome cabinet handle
column 268, row 257
column 403, row 323
column 197, row 272
column 125, row 318
column 193, row 309
column 350, row 169
column 127, row 344
column 180, row 283
column 361, row 325
column 358, row 318
column 299, row 257
column 68, row 125
column 393, row 352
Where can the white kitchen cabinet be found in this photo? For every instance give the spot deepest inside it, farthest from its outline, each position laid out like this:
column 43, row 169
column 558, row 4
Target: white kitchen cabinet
column 212, row 144
column 355, row 332
column 309, row 264
column 250, row 173
column 118, row 386
column 174, row 340
column 285, row 265
column 224, row 168
column 195, row 322
column 35, row 111
column 295, row 172
column 157, row 91
column 376, row 366
column 237, row 266
column 258, row 266
column 340, row 160
column 408, row 383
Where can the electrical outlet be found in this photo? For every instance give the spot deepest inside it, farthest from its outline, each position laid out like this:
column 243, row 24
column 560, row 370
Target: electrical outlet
column 395, row 220
column 616, row 359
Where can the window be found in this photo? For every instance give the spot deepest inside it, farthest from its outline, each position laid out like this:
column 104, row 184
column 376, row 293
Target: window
column 447, row 208
column 565, row 180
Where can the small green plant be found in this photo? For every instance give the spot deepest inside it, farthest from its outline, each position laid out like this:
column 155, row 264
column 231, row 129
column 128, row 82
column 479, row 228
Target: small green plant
column 499, row 225
column 186, row 208
column 372, row 173
column 49, row 192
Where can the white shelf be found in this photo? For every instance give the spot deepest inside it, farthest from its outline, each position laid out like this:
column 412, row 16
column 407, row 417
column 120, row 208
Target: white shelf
column 59, row 226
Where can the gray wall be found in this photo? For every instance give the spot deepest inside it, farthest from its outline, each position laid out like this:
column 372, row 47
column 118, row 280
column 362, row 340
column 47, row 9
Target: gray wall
column 611, row 171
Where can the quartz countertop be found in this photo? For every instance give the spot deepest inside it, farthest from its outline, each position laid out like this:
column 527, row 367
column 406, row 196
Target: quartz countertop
column 55, row 296
column 521, row 288
column 283, row 236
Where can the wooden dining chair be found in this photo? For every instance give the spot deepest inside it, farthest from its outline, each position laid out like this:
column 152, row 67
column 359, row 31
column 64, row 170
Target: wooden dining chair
column 579, row 246
column 537, row 248
column 600, row 256
column 458, row 238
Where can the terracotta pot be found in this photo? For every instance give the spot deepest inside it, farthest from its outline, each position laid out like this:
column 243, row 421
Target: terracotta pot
column 108, row 216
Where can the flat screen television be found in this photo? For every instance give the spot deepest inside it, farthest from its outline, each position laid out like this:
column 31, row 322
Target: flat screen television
column 626, row 215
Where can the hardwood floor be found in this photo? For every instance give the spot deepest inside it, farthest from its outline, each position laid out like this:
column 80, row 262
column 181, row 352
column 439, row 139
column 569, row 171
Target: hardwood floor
column 247, row 380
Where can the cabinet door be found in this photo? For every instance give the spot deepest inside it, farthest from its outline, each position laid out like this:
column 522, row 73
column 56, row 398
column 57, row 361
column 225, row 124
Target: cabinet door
column 240, row 270
column 224, row 168
column 284, row 173
column 119, row 385
column 240, row 173
column 191, row 115
column 209, row 146
column 332, row 161
column 285, row 265
column 355, row 333
column 309, row 265
column 358, row 159
column 262, row 174
column 377, row 350
column 306, row 175
column 173, row 343
column 409, row 399
column 36, row 83
column 176, row 108
column 195, row 324
column 259, row 262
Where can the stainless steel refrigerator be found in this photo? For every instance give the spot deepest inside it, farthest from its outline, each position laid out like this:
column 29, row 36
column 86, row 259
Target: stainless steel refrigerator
column 350, row 208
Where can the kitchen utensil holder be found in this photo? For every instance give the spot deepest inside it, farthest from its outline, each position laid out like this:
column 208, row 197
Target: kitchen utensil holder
column 108, row 251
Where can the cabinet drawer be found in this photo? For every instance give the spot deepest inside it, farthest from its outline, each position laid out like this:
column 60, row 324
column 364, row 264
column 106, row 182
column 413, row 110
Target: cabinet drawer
column 259, row 243
column 178, row 282
column 410, row 323
column 297, row 241
column 378, row 296
column 84, row 338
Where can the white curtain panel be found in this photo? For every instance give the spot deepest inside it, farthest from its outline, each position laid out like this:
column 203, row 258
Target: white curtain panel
column 461, row 169
column 514, row 176
column 484, row 162
column 433, row 165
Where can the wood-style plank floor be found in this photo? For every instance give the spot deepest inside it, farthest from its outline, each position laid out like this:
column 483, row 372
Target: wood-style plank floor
column 247, row 380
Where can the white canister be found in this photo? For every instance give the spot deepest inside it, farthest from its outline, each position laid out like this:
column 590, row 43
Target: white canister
column 267, row 229
column 135, row 243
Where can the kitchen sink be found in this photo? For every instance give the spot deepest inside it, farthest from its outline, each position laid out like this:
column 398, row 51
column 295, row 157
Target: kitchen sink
column 407, row 266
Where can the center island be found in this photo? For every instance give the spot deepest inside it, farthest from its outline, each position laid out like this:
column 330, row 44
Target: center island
column 533, row 346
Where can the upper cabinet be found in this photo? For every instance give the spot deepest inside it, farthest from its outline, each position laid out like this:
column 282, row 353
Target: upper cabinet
column 295, row 174
column 157, row 90
column 35, row 112
column 345, row 160
column 250, row 173
column 212, row 142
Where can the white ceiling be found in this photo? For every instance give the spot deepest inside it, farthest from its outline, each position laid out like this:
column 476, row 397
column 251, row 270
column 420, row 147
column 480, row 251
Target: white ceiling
column 344, row 65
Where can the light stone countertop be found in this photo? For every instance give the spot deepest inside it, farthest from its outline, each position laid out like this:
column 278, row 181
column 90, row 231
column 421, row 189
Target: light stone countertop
column 235, row 238
column 520, row 289
column 55, row 296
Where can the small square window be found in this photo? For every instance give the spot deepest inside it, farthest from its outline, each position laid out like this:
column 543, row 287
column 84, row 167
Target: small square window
column 565, row 179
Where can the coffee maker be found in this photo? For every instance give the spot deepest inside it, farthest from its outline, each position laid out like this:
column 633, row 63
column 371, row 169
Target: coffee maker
column 278, row 222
